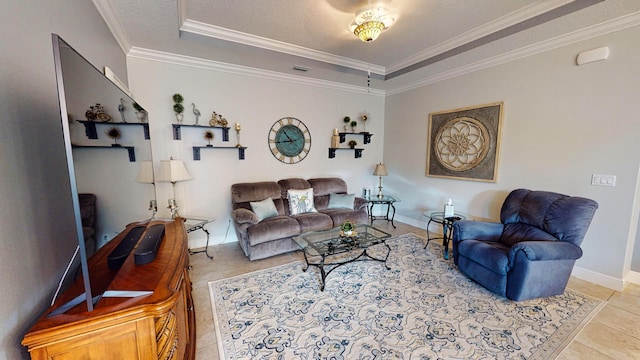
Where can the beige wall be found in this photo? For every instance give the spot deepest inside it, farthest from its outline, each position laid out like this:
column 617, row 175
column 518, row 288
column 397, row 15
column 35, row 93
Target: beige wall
column 255, row 101
column 562, row 123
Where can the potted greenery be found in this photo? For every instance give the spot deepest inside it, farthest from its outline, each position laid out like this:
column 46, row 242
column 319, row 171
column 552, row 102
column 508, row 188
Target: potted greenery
column 347, row 228
column 178, row 108
column 347, row 121
column 209, row 136
column 141, row 113
column 353, row 125
column 352, row 144
column 115, row 134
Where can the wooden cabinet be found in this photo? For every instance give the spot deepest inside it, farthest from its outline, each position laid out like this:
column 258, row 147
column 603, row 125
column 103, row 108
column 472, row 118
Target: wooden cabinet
column 156, row 326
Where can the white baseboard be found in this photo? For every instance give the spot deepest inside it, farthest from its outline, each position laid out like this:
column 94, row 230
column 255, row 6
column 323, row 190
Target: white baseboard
column 632, row 277
column 598, row 278
column 410, row 221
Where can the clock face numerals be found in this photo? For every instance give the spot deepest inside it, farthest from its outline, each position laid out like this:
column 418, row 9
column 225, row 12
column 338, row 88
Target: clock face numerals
column 289, row 140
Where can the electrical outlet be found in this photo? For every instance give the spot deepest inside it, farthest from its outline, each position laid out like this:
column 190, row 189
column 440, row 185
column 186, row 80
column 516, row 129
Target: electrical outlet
column 603, row 180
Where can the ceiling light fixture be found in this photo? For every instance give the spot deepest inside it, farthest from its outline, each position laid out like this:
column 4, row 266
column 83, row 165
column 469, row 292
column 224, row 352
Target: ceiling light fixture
column 370, row 22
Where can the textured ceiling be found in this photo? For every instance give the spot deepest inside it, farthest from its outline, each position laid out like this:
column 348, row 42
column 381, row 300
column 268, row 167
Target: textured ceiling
column 275, row 35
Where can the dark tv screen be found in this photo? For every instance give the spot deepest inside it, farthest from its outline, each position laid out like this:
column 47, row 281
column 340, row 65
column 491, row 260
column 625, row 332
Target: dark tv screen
column 98, row 162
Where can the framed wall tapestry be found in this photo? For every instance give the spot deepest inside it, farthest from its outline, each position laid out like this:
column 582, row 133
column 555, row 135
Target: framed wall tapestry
column 464, row 143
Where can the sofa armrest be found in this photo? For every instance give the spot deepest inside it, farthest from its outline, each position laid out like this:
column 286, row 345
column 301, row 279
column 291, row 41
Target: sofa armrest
column 242, row 215
column 476, row 230
column 546, row 250
column 359, row 203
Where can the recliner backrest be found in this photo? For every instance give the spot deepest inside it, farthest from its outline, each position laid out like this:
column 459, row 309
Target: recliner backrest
column 566, row 218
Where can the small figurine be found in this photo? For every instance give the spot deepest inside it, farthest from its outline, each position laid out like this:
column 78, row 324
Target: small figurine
column 121, row 110
column 196, row 112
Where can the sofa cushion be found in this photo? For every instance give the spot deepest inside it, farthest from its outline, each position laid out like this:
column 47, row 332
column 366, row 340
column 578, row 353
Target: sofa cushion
column 341, row 201
column 339, row 216
column 273, row 228
column 314, row 221
column 326, row 186
column 264, row 209
column 300, row 201
column 257, row 191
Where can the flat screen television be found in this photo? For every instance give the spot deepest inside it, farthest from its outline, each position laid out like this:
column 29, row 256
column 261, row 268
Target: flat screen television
column 106, row 147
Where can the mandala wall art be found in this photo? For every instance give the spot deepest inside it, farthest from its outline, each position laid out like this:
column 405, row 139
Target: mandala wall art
column 465, row 143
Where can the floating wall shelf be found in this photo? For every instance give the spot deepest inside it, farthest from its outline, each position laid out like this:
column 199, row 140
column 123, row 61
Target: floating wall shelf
column 367, row 136
column 130, row 149
column 332, row 152
column 177, row 135
column 196, row 150
column 92, row 133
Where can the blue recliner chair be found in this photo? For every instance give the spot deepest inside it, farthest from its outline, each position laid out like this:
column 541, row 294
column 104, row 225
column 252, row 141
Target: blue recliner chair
column 531, row 252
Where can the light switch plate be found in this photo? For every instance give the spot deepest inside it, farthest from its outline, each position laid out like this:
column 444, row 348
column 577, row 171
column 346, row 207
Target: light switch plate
column 603, row 180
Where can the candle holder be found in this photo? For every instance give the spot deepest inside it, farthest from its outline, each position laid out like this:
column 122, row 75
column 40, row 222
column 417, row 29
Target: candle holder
column 173, row 206
column 153, row 206
column 238, row 135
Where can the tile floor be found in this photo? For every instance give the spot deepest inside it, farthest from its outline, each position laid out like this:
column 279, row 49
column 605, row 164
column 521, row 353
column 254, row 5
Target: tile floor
column 614, row 333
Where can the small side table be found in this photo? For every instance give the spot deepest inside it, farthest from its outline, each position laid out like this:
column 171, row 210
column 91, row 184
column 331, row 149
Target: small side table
column 447, row 227
column 385, row 200
column 193, row 223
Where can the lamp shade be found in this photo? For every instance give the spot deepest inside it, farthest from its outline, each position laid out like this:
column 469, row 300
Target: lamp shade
column 380, row 170
column 173, row 171
column 145, row 173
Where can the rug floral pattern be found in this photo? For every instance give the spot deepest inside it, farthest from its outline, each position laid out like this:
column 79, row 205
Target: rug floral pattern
column 423, row 308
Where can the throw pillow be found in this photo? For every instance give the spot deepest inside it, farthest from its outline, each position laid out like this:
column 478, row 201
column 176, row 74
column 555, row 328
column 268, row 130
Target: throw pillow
column 341, row 201
column 264, row 209
column 300, row 201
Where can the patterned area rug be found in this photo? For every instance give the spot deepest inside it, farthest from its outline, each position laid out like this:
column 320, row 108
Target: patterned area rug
column 423, row 308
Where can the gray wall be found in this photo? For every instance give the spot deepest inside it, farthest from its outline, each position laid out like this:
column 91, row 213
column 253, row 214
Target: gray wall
column 34, row 185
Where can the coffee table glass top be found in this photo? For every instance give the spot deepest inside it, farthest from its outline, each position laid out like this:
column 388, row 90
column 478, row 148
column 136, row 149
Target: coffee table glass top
column 330, row 242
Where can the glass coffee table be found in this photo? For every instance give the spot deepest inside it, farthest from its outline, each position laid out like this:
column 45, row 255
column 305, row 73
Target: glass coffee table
column 322, row 245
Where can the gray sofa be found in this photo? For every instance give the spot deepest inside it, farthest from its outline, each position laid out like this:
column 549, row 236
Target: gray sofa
column 272, row 236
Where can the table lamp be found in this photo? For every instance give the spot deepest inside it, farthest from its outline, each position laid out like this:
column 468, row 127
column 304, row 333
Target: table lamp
column 145, row 176
column 173, row 171
column 380, row 171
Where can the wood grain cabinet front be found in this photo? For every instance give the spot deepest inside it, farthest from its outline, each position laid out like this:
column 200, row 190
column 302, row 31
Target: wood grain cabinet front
column 156, row 326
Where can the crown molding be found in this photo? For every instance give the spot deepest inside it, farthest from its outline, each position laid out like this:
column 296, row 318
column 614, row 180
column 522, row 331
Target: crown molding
column 200, row 28
column 504, row 22
column 603, row 28
column 182, row 60
column 108, row 14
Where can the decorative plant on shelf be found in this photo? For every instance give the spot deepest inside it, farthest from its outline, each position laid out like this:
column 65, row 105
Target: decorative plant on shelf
column 352, row 143
column 115, row 134
column 353, row 124
column 141, row 113
column 209, row 136
column 347, row 228
column 178, row 108
column 347, row 121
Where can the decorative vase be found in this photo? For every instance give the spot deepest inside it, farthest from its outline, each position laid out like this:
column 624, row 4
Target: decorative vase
column 179, row 118
column 142, row 116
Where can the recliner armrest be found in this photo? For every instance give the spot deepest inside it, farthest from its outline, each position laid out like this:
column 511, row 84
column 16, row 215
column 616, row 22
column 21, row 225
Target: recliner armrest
column 546, row 250
column 242, row 215
column 476, row 230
